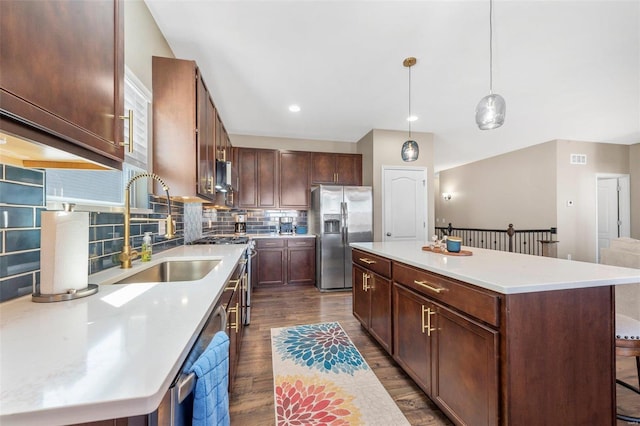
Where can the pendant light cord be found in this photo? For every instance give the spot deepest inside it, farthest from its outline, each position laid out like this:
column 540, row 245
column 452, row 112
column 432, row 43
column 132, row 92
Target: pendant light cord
column 409, row 118
column 490, row 47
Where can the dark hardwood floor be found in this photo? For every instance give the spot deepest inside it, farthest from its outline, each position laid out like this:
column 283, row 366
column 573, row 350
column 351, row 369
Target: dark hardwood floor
column 251, row 401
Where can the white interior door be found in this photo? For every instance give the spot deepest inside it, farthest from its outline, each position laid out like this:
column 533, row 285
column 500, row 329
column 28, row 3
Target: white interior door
column 608, row 221
column 404, row 199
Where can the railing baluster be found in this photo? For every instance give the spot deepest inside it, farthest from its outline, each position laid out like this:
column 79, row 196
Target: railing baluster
column 512, row 240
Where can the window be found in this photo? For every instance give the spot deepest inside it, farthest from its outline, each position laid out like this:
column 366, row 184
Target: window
column 106, row 187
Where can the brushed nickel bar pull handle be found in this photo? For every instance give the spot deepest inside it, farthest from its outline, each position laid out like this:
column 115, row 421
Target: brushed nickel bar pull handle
column 365, row 278
column 233, row 286
column 130, row 143
column 422, row 323
column 367, row 261
column 237, row 325
column 429, row 329
column 427, row 286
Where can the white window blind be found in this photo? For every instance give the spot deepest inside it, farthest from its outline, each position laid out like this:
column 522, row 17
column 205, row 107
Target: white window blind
column 137, row 98
column 106, row 187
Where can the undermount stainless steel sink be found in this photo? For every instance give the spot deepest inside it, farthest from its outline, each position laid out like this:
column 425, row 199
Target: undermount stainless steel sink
column 172, row 270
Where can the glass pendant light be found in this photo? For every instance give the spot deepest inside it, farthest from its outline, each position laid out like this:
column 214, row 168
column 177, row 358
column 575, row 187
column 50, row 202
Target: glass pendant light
column 492, row 108
column 410, row 148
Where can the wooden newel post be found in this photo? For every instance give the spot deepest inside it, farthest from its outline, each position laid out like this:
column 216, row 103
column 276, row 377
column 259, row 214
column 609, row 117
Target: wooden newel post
column 511, row 232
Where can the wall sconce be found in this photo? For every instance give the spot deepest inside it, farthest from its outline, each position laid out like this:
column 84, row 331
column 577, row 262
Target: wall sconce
column 446, row 196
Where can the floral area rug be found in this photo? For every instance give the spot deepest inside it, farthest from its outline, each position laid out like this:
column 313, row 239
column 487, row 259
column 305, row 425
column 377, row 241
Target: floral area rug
column 320, row 378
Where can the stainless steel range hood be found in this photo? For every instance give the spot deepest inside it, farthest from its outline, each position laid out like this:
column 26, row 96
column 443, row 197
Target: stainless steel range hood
column 223, row 176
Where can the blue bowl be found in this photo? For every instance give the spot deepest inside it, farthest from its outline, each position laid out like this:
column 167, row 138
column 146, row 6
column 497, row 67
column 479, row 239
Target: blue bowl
column 454, row 244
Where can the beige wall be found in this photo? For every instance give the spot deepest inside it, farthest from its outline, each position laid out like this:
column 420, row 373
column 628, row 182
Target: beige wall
column 365, row 147
column 142, row 40
column 249, row 141
column 383, row 147
column 577, row 225
column 634, row 170
column 517, row 187
column 531, row 188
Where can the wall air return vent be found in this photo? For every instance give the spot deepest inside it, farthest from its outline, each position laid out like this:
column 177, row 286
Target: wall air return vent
column 580, row 159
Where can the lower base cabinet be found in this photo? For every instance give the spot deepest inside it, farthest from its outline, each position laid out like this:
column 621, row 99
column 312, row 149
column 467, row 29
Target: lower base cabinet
column 281, row 261
column 372, row 304
column 452, row 358
column 488, row 358
column 233, row 299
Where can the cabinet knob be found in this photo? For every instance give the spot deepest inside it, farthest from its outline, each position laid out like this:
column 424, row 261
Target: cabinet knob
column 388, row 234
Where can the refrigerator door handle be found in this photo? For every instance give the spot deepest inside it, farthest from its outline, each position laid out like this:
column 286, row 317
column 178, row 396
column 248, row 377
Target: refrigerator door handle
column 343, row 222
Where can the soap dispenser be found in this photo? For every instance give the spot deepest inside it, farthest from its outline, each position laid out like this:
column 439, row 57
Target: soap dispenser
column 146, row 247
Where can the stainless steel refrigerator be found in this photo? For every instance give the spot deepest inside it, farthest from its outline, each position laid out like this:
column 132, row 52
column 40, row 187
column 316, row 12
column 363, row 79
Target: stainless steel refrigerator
column 339, row 215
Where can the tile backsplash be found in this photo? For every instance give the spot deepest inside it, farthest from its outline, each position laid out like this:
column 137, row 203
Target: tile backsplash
column 22, row 199
column 258, row 221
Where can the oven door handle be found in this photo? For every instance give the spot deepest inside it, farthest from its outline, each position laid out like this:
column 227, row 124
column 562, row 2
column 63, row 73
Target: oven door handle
column 187, row 382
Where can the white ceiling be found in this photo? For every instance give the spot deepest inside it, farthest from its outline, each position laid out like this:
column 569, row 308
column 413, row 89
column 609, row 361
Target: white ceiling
column 567, row 69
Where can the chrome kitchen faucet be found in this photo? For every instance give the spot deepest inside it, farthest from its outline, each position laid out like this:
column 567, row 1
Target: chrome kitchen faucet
column 128, row 254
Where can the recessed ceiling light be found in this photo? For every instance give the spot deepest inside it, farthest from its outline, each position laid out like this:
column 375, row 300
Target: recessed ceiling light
column 412, row 118
column 294, row 108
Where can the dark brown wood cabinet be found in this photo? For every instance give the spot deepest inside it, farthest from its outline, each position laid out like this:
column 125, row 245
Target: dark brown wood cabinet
column 337, row 169
column 487, row 358
column 412, row 349
column 205, row 140
column 233, row 300
column 188, row 134
column 294, row 180
column 281, row 261
column 452, row 358
column 184, row 129
column 62, row 79
column 257, row 178
column 270, row 261
column 371, row 279
column 301, row 261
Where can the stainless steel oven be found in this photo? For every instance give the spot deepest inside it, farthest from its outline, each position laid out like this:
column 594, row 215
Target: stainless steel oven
column 249, row 253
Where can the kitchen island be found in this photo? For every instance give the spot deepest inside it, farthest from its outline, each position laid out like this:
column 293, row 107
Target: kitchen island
column 495, row 338
column 110, row 355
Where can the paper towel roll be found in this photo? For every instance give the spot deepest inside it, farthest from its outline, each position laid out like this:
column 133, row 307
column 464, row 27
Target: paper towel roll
column 64, row 251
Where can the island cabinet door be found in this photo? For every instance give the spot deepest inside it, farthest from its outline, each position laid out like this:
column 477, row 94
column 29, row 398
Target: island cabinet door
column 465, row 368
column 361, row 299
column 379, row 289
column 412, row 332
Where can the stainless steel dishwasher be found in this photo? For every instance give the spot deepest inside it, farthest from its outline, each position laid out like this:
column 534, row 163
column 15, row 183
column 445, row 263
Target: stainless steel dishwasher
column 176, row 408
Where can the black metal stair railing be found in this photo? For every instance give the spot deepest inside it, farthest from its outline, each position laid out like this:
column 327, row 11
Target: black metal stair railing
column 526, row 241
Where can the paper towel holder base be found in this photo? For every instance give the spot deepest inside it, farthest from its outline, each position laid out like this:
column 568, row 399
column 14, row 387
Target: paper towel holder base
column 36, row 296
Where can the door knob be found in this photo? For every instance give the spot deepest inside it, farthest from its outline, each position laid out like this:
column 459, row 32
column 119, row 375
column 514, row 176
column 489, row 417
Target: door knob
column 388, row 234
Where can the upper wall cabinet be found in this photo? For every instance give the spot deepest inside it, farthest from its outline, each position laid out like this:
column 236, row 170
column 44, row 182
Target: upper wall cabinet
column 62, row 79
column 294, row 180
column 257, row 178
column 336, row 169
column 185, row 129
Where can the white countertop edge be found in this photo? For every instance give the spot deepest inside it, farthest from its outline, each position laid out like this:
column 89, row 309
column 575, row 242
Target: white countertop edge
column 17, row 409
column 583, row 274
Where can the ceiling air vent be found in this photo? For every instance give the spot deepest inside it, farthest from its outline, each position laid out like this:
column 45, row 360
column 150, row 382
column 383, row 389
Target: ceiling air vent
column 580, row 159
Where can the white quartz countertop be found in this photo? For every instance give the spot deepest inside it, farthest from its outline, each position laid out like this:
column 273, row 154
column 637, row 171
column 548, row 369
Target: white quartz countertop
column 504, row 272
column 259, row 236
column 112, row 354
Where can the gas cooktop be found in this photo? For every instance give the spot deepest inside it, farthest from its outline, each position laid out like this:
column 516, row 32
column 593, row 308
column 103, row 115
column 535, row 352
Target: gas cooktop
column 222, row 239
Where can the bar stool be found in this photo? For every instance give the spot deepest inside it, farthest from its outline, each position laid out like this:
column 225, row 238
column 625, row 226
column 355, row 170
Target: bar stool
column 628, row 344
